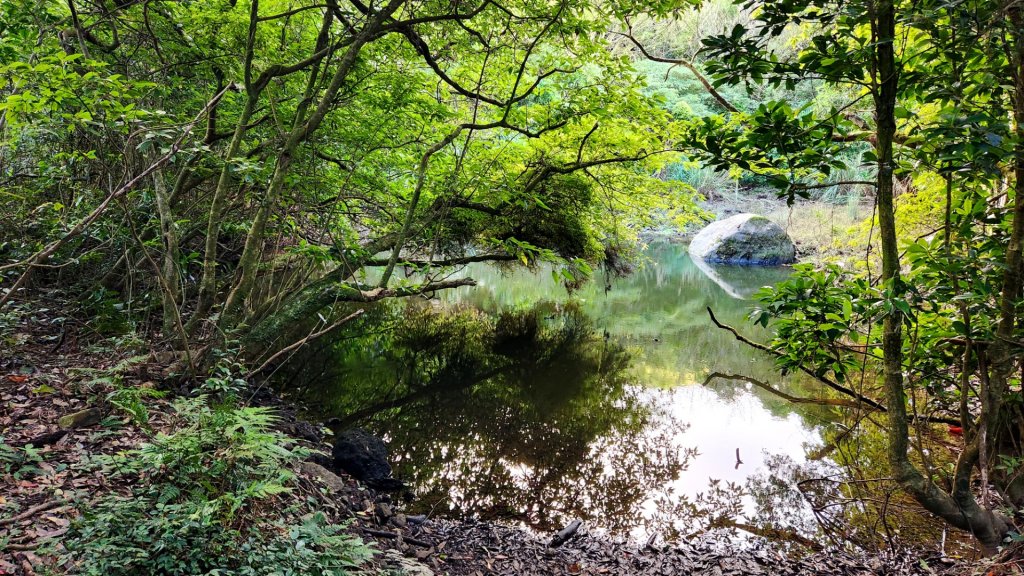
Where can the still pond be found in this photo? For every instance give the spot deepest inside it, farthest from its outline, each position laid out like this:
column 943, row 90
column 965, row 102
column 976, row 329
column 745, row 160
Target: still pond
column 604, row 414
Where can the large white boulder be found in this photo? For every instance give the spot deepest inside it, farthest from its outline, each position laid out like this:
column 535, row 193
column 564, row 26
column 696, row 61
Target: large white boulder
column 744, row 239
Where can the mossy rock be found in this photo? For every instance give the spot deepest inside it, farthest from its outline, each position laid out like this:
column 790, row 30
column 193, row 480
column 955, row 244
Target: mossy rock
column 80, row 419
column 747, row 239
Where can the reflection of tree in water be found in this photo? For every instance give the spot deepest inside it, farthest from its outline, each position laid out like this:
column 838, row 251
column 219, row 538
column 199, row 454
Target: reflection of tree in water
column 867, row 506
column 797, row 498
column 545, row 473
column 842, row 495
column 527, row 416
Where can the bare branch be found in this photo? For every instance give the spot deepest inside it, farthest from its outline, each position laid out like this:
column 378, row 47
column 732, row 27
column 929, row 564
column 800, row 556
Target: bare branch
column 787, row 397
column 831, row 184
column 461, row 261
column 583, row 142
column 685, row 64
column 304, row 341
column 874, row 404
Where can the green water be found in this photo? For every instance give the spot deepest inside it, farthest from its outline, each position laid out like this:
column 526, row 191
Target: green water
column 660, row 311
column 604, row 417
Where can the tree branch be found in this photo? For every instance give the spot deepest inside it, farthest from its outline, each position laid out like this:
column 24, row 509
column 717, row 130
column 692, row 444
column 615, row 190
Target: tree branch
column 831, row 184
column 685, row 64
column 448, row 262
column 304, row 341
column 873, row 404
column 789, row 398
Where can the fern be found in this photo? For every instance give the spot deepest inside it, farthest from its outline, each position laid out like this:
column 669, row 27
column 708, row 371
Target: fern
column 193, row 507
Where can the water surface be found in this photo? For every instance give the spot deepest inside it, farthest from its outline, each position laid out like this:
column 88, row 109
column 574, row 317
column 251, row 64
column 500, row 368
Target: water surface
column 613, row 424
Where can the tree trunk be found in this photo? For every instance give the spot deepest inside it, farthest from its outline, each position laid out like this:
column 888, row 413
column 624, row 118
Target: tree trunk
column 413, row 203
column 208, row 284
column 1004, row 419
column 301, row 130
column 960, row 508
column 171, row 295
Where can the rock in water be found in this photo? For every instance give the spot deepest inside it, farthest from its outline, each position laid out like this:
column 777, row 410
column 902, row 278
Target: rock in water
column 362, row 455
column 744, row 239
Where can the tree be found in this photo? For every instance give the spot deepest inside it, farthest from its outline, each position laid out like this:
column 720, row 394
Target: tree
column 262, row 158
column 939, row 113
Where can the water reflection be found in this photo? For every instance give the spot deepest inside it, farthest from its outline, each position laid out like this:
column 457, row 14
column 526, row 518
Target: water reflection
column 533, row 405
column 529, row 415
column 597, row 461
column 660, row 313
column 739, row 282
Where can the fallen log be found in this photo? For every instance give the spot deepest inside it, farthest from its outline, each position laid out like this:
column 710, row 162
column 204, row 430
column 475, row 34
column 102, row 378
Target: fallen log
column 31, row 512
column 41, row 440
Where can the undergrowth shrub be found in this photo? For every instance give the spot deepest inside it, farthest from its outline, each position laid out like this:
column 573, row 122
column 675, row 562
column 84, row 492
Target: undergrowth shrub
column 208, row 498
column 129, row 399
column 19, row 462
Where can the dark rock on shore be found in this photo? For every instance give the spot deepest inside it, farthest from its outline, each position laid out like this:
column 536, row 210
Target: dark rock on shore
column 364, row 457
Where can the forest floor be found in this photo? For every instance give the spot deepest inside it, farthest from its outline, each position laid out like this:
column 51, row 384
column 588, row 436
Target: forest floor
column 48, row 371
